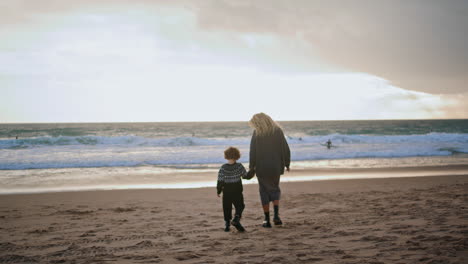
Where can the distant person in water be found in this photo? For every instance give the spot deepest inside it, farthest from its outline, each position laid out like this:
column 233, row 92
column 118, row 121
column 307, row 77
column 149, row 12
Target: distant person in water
column 230, row 184
column 16, row 137
column 329, row 144
column 269, row 155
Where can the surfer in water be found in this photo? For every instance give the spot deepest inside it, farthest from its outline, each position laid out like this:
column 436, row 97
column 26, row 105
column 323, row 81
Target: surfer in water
column 329, row 144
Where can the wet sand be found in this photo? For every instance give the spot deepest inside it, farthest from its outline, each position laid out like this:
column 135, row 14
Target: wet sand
column 389, row 220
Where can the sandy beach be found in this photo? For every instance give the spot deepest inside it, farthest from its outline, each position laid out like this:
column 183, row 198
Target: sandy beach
column 122, row 121
column 389, row 220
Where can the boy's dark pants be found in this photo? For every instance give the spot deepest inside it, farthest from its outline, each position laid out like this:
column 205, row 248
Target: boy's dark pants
column 228, row 200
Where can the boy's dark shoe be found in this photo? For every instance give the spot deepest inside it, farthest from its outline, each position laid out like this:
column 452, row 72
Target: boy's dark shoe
column 266, row 224
column 236, row 223
column 277, row 221
column 227, row 228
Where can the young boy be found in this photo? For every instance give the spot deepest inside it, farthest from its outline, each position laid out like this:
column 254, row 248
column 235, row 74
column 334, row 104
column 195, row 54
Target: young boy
column 230, row 184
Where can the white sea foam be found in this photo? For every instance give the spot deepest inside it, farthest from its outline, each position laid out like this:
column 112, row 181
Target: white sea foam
column 113, row 141
column 100, row 151
column 195, row 141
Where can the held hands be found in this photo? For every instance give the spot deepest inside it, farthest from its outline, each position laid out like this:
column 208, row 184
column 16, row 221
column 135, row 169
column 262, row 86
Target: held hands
column 250, row 174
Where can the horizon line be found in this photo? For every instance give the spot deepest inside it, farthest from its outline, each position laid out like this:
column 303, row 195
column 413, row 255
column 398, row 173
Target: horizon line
column 227, row 121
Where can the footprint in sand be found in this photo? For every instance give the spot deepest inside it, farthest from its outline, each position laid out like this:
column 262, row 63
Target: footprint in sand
column 186, row 256
column 123, row 209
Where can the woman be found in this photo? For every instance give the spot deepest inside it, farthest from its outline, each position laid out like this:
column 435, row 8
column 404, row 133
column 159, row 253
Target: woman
column 269, row 155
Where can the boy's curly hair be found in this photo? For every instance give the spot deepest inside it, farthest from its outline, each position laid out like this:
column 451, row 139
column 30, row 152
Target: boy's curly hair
column 232, row 153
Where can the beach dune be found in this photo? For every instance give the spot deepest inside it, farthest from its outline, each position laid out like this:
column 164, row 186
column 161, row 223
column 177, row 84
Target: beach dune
column 394, row 220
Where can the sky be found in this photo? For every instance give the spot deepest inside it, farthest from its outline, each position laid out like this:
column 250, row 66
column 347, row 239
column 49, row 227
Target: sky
column 217, row 60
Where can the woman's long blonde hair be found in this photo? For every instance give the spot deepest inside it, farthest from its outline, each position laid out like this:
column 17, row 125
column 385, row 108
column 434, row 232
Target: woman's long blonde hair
column 263, row 124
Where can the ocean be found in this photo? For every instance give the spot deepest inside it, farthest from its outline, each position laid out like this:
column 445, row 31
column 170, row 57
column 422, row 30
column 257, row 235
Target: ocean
column 60, row 156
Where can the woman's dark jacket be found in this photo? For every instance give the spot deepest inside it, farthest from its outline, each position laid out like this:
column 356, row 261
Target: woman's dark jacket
column 269, row 154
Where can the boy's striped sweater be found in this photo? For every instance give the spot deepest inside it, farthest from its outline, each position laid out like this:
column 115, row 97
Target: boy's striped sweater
column 229, row 178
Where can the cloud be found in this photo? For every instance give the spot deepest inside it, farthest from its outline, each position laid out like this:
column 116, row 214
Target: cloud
column 174, row 60
column 208, row 93
column 419, row 45
column 363, row 96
